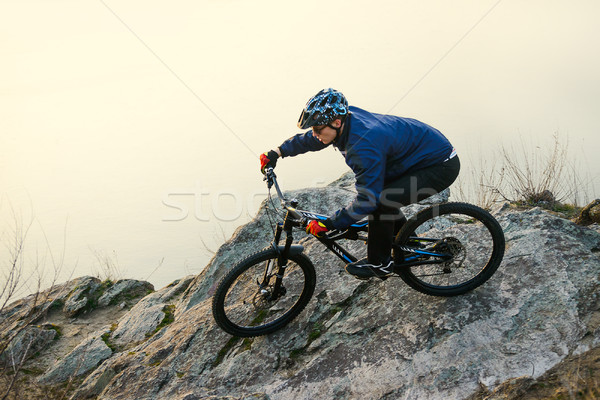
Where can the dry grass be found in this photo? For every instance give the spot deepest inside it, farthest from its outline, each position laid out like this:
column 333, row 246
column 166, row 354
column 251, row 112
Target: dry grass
column 479, row 182
column 107, row 266
column 529, row 174
column 576, row 378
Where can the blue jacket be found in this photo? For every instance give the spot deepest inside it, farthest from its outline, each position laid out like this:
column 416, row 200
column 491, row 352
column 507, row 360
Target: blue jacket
column 379, row 149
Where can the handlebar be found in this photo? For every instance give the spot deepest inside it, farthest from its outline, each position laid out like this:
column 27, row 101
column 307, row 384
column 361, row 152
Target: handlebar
column 271, row 179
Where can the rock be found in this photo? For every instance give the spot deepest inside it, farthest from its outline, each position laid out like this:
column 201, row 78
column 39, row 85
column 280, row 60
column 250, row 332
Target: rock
column 545, row 197
column 143, row 319
column 86, row 356
column 125, row 288
column 590, row 214
column 441, row 197
column 368, row 340
column 95, row 383
column 595, row 214
column 27, row 310
column 381, row 339
column 138, row 324
column 26, row 344
column 79, row 299
column 54, row 334
column 347, row 180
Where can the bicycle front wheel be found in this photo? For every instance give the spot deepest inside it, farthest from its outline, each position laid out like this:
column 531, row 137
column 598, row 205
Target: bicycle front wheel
column 449, row 249
column 247, row 302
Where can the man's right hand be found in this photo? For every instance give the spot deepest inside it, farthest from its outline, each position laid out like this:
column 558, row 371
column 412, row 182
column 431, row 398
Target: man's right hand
column 268, row 160
column 317, row 228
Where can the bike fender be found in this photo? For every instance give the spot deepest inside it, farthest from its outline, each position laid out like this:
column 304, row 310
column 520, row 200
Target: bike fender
column 295, row 249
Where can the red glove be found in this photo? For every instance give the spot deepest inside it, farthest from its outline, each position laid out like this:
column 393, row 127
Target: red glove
column 315, row 227
column 268, row 159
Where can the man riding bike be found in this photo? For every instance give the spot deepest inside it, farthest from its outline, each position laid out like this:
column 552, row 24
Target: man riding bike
column 397, row 161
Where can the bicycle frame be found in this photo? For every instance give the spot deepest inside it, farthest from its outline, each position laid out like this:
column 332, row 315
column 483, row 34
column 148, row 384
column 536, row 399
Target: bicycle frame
column 329, row 240
column 300, row 218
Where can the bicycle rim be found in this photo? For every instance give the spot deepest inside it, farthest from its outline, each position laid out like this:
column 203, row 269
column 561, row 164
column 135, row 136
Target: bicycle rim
column 470, row 238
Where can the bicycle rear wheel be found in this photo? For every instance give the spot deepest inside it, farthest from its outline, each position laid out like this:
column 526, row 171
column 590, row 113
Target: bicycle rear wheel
column 466, row 246
column 246, row 304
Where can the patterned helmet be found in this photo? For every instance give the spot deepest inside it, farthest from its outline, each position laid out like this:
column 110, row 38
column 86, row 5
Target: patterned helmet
column 323, row 108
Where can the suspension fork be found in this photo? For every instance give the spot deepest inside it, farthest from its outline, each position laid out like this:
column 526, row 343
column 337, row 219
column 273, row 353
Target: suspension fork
column 269, row 265
column 282, row 260
column 278, row 231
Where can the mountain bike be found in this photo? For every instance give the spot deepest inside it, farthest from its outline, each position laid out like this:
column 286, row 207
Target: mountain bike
column 444, row 250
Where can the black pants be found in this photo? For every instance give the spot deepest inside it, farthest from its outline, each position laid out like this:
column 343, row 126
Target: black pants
column 415, row 186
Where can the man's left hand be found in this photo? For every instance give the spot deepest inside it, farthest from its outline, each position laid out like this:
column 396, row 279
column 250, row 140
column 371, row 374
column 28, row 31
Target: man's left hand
column 268, row 160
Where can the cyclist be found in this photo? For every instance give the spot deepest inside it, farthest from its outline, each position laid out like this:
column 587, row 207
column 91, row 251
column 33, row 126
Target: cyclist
column 397, row 161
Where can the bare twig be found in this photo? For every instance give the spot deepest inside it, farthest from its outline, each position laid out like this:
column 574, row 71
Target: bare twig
column 14, row 281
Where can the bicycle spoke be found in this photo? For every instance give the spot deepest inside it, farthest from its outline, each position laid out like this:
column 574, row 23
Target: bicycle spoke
column 249, row 304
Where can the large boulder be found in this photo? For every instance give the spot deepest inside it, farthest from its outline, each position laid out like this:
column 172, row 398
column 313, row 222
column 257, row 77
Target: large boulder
column 57, row 334
column 143, row 320
column 81, row 296
column 376, row 340
column 26, row 343
column 124, row 289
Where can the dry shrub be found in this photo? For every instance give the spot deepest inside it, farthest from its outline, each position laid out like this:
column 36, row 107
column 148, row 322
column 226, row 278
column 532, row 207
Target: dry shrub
column 530, row 174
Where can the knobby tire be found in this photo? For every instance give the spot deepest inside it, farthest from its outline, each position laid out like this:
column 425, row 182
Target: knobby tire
column 227, row 306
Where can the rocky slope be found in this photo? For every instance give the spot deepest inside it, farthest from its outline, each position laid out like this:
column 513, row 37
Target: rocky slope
column 368, row 340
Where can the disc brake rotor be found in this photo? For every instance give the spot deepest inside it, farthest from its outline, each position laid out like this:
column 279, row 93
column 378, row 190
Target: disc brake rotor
column 263, row 298
column 453, row 246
